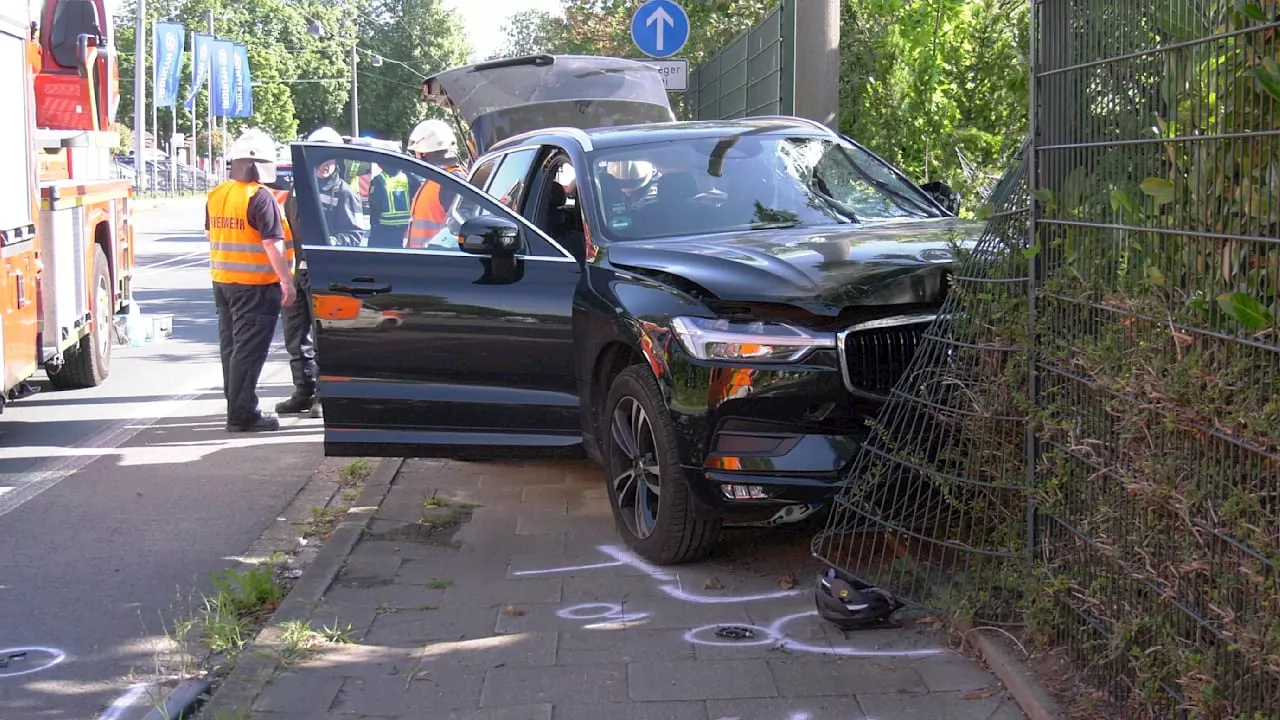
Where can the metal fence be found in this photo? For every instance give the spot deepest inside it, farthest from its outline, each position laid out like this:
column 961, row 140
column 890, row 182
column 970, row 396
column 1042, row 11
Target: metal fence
column 161, row 179
column 754, row 74
column 1088, row 441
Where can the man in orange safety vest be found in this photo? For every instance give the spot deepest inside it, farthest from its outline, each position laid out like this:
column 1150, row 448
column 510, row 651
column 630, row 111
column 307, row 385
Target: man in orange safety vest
column 432, row 141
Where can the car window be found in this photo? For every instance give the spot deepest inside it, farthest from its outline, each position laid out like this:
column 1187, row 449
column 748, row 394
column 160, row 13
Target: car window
column 481, row 173
column 742, row 182
column 410, row 207
column 510, row 181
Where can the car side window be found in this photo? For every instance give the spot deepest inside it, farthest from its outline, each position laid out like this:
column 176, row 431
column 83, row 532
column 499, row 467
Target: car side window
column 481, row 173
column 511, row 180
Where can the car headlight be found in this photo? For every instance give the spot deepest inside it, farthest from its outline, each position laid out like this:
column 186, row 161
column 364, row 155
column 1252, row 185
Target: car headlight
column 754, row 340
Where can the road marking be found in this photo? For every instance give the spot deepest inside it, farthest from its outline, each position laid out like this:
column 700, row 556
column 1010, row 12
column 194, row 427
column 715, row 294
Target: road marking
column 128, row 701
column 121, row 432
column 13, row 656
column 202, row 256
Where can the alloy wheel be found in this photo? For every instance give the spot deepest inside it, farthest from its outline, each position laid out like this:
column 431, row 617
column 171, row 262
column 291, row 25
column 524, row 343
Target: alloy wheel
column 635, row 474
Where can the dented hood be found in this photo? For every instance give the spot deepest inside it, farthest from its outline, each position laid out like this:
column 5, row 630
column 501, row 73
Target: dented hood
column 503, row 98
column 821, row 270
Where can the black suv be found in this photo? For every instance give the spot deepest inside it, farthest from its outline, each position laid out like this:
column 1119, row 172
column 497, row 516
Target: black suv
column 712, row 310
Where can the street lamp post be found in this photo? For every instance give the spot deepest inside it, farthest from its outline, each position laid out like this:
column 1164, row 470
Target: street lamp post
column 315, row 29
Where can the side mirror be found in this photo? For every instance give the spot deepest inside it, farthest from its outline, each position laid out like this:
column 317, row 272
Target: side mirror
column 489, row 235
column 943, row 195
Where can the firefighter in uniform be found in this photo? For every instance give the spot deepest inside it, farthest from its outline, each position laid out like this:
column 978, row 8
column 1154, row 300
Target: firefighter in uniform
column 432, row 141
column 388, row 209
column 251, row 275
column 343, row 219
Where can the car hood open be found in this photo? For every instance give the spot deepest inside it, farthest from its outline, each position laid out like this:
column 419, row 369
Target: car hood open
column 504, row 98
column 823, row 270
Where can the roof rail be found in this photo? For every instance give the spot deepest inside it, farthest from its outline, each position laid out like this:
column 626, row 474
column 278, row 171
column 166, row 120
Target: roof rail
column 577, row 134
column 806, row 121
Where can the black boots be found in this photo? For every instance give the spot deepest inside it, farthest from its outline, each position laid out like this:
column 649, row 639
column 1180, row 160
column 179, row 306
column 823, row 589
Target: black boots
column 299, row 404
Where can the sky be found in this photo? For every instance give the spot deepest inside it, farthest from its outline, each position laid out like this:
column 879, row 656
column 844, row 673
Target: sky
column 483, row 18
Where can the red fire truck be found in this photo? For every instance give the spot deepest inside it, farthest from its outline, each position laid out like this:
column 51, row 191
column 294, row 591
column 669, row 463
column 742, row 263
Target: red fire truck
column 66, row 236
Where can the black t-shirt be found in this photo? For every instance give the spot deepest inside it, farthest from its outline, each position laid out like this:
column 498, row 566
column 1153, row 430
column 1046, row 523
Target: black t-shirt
column 263, row 215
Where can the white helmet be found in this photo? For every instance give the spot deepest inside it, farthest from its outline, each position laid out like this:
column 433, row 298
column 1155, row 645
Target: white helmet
column 630, row 174
column 325, row 134
column 432, row 136
column 253, row 144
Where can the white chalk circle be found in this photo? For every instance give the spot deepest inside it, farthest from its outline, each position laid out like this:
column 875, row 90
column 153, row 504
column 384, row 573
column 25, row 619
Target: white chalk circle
column 26, row 660
column 591, row 611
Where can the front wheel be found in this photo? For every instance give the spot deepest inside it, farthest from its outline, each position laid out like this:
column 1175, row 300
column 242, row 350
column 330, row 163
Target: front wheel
column 88, row 363
column 652, row 504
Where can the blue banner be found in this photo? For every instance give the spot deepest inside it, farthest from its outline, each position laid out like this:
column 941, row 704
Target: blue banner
column 242, row 82
column 166, row 59
column 221, row 55
column 199, row 67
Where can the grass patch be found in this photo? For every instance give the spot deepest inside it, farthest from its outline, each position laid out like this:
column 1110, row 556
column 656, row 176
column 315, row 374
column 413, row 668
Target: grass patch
column 300, row 639
column 356, row 471
column 440, row 584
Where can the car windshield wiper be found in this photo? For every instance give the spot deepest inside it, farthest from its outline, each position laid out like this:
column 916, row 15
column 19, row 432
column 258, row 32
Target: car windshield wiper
column 839, row 207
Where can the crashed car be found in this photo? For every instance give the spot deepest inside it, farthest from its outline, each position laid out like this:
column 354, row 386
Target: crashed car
column 711, row 310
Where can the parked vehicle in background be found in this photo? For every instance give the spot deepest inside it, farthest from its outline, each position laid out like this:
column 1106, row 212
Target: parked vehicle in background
column 65, row 223
column 712, row 310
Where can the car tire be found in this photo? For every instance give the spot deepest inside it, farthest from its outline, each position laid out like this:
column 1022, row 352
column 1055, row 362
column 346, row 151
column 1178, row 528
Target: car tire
column 88, row 363
column 652, row 504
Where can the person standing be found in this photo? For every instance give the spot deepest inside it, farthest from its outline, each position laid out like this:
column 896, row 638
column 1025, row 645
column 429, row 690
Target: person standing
column 251, row 275
column 433, row 142
column 343, row 217
column 388, row 209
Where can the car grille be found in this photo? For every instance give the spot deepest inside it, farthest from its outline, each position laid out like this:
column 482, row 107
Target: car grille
column 875, row 355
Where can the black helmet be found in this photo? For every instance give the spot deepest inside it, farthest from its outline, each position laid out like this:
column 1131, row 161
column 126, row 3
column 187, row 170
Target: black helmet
column 852, row 604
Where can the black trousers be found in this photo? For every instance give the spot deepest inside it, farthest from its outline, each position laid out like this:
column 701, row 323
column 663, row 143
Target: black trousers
column 300, row 338
column 246, row 323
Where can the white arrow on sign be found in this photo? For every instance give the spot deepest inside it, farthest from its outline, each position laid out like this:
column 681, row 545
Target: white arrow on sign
column 661, row 17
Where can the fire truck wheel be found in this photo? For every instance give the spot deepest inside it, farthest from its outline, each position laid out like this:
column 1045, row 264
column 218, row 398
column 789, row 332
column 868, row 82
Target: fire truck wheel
column 87, row 364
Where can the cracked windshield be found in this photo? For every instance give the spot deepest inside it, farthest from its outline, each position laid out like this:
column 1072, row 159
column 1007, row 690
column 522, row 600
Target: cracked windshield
column 746, row 182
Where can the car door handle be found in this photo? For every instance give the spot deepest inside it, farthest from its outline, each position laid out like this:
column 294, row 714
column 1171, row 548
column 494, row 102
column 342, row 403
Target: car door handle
column 361, row 286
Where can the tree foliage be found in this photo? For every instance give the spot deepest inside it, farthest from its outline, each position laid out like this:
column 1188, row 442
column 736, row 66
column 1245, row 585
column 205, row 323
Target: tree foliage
column 922, row 82
column 300, row 81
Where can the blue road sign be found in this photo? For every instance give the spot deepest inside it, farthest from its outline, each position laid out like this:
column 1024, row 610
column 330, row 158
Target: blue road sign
column 660, row 28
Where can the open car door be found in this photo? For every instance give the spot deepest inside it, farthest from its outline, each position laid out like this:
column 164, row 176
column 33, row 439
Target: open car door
column 504, row 98
column 436, row 338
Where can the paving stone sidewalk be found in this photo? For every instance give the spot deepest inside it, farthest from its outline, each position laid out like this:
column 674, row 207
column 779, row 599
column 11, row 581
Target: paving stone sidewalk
column 502, row 592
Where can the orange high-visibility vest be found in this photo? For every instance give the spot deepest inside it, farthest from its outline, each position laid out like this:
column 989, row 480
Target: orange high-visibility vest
column 426, row 215
column 289, row 253
column 236, row 254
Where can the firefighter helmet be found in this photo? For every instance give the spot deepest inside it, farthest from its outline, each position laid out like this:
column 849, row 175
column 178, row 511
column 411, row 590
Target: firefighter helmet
column 253, row 144
column 432, row 136
column 325, row 134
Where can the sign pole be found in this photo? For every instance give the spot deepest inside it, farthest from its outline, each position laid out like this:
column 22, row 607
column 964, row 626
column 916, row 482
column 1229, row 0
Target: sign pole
column 192, row 155
column 155, row 103
column 209, row 71
column 139, row 95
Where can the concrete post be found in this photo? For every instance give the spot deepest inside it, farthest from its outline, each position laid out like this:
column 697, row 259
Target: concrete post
column 817, row 61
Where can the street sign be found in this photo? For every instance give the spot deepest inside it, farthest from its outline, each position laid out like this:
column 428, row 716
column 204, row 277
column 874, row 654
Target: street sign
column 660, row 28
column 675, row 72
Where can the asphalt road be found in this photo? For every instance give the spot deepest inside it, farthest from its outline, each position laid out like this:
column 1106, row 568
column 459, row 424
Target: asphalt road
column 116, row 503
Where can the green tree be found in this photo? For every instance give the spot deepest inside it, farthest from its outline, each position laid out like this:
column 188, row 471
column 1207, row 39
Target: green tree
column 414, row 38
column 530, row 32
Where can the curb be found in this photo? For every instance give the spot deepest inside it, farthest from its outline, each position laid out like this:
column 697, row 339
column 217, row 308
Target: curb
column 258, row 663
column 177, row 703
column 1022, row 684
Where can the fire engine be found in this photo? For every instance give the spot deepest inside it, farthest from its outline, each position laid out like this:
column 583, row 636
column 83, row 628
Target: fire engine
column 66, row 237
